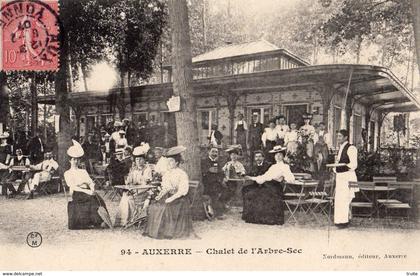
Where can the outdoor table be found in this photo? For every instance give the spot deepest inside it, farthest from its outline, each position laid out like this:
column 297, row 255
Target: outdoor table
column 131, row 188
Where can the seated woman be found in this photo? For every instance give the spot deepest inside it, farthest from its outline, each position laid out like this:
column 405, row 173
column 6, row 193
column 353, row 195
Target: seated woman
column 169, row 214
column 87, row 209
column 140, row 173
column 268, row 207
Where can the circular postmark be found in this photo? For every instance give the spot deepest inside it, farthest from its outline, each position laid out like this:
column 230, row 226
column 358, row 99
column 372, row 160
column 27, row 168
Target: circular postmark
column 30, row 32
column 34, row 239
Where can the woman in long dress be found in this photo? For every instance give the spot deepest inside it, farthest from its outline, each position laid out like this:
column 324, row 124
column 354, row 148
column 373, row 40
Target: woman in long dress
column 140, row 173
column 271, row 211
column 169, row 214
column 87, row 209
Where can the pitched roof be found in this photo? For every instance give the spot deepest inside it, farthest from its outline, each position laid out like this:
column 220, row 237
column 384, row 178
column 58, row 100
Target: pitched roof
column 233, row 50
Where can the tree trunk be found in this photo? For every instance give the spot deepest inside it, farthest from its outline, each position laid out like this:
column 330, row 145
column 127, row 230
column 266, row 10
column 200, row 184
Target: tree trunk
column 34, row 105
column 4, row 101
column 84, row 75
column 121, row 98
column 416, row 22
column 186, row 119
column 62, row 96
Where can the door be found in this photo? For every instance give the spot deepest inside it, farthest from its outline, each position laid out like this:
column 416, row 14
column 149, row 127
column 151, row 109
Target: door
column 294, row 114
column 206, row 119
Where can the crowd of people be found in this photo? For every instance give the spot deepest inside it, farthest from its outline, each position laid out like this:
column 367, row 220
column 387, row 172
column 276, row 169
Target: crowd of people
column 144, row 162
column 26, row 162
column 308, row 142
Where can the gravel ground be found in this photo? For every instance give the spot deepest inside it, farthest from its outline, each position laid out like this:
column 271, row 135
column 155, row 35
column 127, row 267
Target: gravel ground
column 101, row 249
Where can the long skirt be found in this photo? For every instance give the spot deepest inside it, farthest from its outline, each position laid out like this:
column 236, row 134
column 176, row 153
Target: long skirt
column 263, row 204
column 169, row 220
column 343, row 196
column 83, row 211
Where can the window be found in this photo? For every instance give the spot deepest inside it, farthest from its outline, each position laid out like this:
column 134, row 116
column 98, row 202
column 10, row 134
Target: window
column 106, row 118
column 139, row 117
column 206, row 119
column 264, row 113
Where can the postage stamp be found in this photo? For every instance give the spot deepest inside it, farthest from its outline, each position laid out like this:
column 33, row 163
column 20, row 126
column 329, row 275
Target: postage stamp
column 29, row 35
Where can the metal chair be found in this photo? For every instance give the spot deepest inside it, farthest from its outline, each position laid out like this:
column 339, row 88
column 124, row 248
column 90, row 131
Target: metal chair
column 98, row 179
column 321, row 202
column 298, row 202
column 382, row 185
column 366, row 201
column 404, row 204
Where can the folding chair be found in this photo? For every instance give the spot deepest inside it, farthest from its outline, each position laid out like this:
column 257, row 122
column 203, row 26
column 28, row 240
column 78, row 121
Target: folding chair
column 98, row 179
column 192, row 192
column 380, row 183
column 365, row 201
column 298, row 202
column 321, row 201
column 404, row 204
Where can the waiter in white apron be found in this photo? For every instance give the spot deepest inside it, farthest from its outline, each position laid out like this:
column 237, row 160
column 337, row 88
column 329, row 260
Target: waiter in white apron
column 345, row 166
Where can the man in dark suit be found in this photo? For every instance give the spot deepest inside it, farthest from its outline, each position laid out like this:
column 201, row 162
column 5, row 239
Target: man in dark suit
column 256, row 129
column 36, row 149
column 213, row 175
column 251, row 193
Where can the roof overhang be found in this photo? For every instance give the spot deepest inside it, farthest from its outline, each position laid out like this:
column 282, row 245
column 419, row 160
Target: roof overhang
column 372, row 86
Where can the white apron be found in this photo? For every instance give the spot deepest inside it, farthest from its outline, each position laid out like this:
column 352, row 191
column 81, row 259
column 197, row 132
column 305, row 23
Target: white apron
column 343, row 196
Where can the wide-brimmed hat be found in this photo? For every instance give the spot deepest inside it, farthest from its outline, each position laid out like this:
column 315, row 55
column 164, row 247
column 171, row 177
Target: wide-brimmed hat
column 141, row 150
column 175, row 151
column 118, row 124
column 107, row 135
column 119, row 151
column 277, row 149
column 234, row 149
column 76, row 150
column 4, row 135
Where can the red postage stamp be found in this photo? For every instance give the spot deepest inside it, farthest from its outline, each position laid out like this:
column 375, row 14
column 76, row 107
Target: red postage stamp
column 29, row 31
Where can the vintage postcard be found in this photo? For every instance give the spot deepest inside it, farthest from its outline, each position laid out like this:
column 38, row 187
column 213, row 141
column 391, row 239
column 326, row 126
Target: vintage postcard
column 140, row 135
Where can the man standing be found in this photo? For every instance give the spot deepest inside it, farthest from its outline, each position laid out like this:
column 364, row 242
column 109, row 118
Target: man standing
column 345, row 166
column 36, row 149
column 255, row 132
column 212, row 182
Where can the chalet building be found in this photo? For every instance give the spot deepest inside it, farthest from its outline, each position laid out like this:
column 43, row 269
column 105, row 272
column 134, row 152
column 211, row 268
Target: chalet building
column 260, row 77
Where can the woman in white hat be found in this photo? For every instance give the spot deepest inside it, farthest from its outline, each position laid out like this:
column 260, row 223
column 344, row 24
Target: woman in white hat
column 140, row 173
column 169, row 214
column 87, row 209
column 271, row 211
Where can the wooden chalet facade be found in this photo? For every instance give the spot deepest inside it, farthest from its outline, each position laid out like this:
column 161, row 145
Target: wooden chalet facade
column 259, row 77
